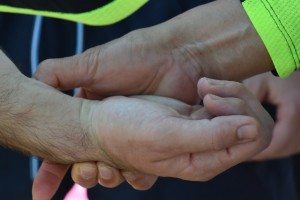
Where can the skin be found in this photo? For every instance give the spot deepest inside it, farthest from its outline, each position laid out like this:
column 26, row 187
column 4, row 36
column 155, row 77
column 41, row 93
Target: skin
column 285, row 95
column 148, row 136
column 166, row 60
column 33, row 122
column 220, row 98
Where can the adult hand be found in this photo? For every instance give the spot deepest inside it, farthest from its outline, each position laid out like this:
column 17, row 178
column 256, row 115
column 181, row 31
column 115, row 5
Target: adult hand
column 145, row 136
column 35, row 124
column 215, row 40
column 285, row 95
column 167, row 59
column 159, row 146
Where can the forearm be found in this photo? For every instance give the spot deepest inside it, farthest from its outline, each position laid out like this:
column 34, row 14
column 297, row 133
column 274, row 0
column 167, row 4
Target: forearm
column 220, row 41
column 37, row 119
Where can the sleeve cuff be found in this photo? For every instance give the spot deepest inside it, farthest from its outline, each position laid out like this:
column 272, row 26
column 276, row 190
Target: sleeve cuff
column 278, row 25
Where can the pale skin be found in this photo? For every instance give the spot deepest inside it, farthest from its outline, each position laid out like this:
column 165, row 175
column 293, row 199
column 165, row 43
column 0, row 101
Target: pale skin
column 166, row 60
column 221, row 98
column 32, row 122
column 130, row 134
column 285, row 95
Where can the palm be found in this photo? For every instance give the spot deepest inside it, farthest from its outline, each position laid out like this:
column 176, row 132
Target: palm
column 137, row 120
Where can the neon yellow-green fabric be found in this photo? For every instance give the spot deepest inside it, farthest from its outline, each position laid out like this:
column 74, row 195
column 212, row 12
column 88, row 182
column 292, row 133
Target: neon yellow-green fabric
column 108, row 14
column 278, row 24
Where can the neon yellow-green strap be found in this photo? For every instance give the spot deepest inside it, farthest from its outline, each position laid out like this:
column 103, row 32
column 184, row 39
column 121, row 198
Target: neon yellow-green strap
column 108, row 14
column 278, row 24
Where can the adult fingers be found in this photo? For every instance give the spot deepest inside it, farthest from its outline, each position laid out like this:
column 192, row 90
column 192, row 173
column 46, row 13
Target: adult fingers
column 205, row 166
column 139, row 181
column 89, row 174
column 108, row 176
column 48, row 180
column 181, row 135
column 85, row 174
column 219, row 106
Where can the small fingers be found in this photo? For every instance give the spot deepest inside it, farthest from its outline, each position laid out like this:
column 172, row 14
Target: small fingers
column 219, row 106
column 247, row 105
column 258, row 85
column 225, row 89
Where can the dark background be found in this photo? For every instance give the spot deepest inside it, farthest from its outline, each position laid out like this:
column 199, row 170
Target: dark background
column 15, row 36
column 297, row 172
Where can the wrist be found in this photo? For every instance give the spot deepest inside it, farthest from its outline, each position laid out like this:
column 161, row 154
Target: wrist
column 44, row 122
column 219, row 40
column 100, row 117
column 90, row 123
column 38, row 120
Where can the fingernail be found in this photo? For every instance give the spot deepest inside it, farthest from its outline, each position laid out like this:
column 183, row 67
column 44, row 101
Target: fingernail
column 130, row 176
column 204, row 80
column 214, row 82
column 87, row 173
column 247, row 132
column 105, row 173
column 208, row 80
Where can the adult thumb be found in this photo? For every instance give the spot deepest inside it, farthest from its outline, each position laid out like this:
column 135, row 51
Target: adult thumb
column 66, row 73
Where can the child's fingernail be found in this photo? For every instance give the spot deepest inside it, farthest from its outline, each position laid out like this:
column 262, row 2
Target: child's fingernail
column 207, row 80
column 247, row 132
column 105, row 173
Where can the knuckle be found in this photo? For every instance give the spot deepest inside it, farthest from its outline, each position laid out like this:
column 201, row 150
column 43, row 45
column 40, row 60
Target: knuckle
column 263, row 135
column 136, row 35
column 91, row 56
column 251, row 121
column 44, row 67
column 91, row 60
column 265, row 140
column 45, row 63
column 218, row 140
column 238, row 88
